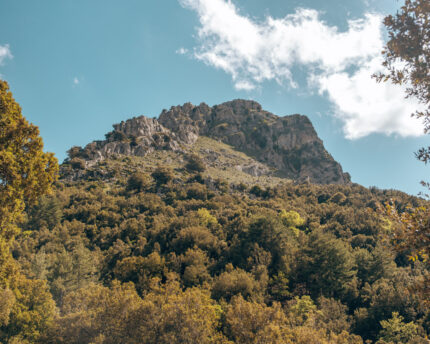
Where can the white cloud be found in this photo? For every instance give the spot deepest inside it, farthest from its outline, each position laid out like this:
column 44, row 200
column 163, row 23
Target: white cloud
column 5, row 53
column 244, row 85
column 76, row 81
column 339, row 63
column 366, row 107
column 182, row 51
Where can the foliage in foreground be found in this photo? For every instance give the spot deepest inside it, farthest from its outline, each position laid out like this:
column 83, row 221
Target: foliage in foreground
column 171, row 260
column 26, row 173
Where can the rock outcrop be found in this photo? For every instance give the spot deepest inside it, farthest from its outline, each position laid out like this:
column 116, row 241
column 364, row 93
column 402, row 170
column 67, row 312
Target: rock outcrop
column 137, row 136
column 287, row 144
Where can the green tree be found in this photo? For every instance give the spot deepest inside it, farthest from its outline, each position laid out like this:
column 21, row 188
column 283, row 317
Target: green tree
column 332, row 315
column 206, row 218
column 302, row 310
column 409, row 38
column 162, row 175
column 195, row 164
column 292, row 220
column 140, row 270
column 166, row 315
column 268, row 232
column 32, row 312
column 195, row 262
column 410, row 234
column 26, row 172
column 72, row 270
column 7, row 299
column 97, row 314
column 138, row 181
column 252, row 322
column 278, row 287
column 407, row 60
column 233, row 282
column 395, row 330
column 46, row 213
column 325, row 265
column 374, row 265
column 170, row 315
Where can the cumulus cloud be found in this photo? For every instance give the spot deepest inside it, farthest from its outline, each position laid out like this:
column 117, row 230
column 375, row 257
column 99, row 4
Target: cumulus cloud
column 339, row 64
column 5, row 53
column 366, row 107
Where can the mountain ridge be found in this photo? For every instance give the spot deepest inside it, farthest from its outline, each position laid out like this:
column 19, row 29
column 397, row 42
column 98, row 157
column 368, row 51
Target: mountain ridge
column 288, row 145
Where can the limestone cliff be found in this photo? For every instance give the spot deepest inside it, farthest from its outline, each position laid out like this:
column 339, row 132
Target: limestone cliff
column 289, row 144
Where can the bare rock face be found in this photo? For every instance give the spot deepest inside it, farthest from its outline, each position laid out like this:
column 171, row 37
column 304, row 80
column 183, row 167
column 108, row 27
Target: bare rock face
column 178, row 119
column 137, row 136
column 288, row 144
column 254, row 169
column 140, row 127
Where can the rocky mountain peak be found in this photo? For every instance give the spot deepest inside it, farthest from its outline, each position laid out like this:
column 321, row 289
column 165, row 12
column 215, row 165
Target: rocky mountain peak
column 287, row 144
column 241, row 105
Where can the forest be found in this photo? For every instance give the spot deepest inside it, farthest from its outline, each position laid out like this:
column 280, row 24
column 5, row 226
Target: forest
column 167, row 248
column 173, row 255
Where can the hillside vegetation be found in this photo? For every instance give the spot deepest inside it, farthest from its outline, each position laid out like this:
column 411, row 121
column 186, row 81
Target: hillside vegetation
column 186, row 233
column 183, row 248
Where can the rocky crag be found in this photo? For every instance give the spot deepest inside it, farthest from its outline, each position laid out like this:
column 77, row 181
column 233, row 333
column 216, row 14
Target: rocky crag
column 288, row 145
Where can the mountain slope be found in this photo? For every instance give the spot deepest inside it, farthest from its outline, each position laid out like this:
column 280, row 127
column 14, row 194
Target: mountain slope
column 288, row 146
column 178, row 228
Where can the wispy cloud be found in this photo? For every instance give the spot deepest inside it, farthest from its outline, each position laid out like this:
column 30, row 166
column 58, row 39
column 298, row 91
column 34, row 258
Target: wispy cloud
column 339, row 64
column 182, row 51
column 76, row 81
column 5, row 53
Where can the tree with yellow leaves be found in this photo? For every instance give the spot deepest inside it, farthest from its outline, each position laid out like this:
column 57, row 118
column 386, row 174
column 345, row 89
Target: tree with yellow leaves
column 26, row 173
column 407, row 60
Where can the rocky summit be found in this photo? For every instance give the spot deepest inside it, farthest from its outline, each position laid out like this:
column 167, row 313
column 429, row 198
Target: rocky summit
column 288, row 146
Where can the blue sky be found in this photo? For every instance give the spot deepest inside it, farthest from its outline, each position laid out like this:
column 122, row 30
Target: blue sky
column 76, row 67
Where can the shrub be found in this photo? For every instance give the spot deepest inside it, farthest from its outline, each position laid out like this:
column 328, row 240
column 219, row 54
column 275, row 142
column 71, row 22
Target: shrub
column 75, row 152
column 137, row 181
column 77, row 163
column 256, row 190
column 162, row 175
column 195, row 164
column 197, row 191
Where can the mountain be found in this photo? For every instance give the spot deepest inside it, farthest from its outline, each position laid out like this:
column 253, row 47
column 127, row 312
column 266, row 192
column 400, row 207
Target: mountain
column 286, row 147
column 196, row 228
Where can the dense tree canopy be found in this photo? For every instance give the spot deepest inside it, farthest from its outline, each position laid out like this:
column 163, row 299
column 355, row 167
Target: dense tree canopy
column 295, row 264
column 26, row 172
column 131, row 250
